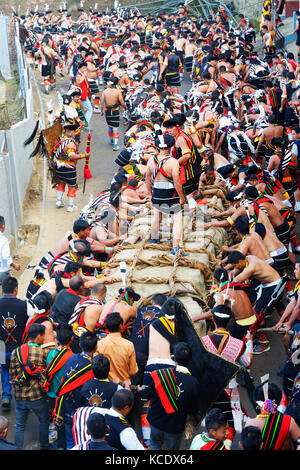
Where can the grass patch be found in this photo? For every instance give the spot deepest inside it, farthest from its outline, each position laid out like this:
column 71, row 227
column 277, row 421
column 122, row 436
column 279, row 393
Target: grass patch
column 12, row 102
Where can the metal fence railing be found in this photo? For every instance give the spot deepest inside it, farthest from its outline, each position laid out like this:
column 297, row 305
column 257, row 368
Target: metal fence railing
column 197, row 7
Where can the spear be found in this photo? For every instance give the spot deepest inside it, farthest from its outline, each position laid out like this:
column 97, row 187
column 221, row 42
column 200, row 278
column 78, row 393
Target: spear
column 86, row 171
column 281, row 330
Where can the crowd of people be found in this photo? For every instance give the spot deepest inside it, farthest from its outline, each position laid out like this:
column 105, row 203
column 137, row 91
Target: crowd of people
column 114, row 376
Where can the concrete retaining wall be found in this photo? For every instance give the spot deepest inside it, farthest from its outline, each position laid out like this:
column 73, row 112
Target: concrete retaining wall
column 21, row 166
column 253, row 8
column 4, row 52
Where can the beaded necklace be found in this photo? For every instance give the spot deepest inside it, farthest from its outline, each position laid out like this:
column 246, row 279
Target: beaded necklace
column 220, row 332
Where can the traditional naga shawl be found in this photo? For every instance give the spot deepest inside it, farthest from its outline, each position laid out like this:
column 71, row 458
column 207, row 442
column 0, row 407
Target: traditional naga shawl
column 214, row 445
column 77, row 379
column 275, row 431
column 78, row 316
column 187, row 168
column 28, row 369
column 56, row 363
column 166, row 387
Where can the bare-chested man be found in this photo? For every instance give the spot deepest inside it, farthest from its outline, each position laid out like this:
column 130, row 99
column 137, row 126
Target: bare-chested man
column 179, row 46
column 250, row 267
column 238, row 208
column 135, row 192
column 61, row 280
column 226, row 78
column 184, row 152
column 281, row 226
column 278, row 251
column 49, row 57
column 111, row 99
column 251, row 242
column 266, row 136
column 244, row 88
column 123, row 77
column 163, row 184
column 159, row 346
column 87, row 313
column 122, row 304
column 81, row 231
column 92, row 75
column 161, row 337
column 189, row 51
column 266, row 290
column 236, row 297
column 285, row 434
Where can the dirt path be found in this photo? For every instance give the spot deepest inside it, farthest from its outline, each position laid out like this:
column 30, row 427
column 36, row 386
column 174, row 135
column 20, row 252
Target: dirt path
column 43, row 223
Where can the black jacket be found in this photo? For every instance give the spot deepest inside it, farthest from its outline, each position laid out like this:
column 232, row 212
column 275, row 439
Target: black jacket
column 157, row 417
column 13, row 319
column 63, row 306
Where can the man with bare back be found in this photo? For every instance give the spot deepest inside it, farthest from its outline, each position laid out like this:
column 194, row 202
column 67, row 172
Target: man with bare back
column 111, row 99
column 269, row 288
column 279, row 431
column 163, row 184
column 123, row 304
column 235, row 296
column 92, row 76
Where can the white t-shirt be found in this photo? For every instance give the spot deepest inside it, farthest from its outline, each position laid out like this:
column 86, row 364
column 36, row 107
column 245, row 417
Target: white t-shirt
column 128, row 437
column 5, row 258
column 295, row 150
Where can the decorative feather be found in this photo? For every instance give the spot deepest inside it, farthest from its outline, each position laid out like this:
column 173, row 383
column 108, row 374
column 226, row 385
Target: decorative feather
column 50, row 112
column 32, row 136
column 161, row 140
column 44, row 149
column 38, row 146
column 285, row 159
column 123, row 269
column 86, row 209
column 264, row 380
column 72, row 246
